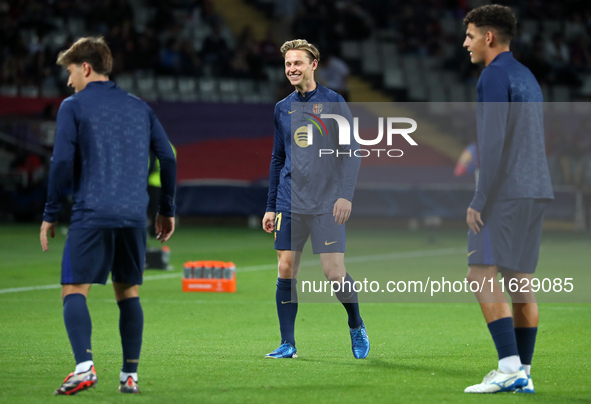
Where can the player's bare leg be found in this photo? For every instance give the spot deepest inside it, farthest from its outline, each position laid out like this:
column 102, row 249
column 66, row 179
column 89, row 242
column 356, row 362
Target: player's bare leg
column 497, row 314
column 493, row 301
column 287, row 302
column 288, row 264
column 131, row 325
column 333, row 266
column 70, row 289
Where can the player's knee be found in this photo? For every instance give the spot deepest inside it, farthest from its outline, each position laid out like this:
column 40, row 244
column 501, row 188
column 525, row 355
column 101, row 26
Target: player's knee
column 481, row 273
column 284, row 268
column 334, row 272
column 474, row 275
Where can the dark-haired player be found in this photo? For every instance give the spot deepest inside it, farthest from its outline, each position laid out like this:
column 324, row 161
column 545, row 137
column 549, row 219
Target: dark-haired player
column 505, row 216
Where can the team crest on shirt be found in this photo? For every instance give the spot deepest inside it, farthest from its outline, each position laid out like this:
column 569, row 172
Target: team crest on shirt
column 317, row 108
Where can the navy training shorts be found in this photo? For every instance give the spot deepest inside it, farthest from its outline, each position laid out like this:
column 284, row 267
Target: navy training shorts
column 91, row 254
column 511, row 236
column 292, row 232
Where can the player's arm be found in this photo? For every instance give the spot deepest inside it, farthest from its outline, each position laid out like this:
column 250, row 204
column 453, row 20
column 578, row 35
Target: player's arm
column 277, row 164
column 349, row 170
column 60, row 171
column 492, row 127
column 160, row 145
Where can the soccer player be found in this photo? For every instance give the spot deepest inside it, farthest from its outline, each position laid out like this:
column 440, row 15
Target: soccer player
column 310, row 196
column 103, row 140
column 505, row 216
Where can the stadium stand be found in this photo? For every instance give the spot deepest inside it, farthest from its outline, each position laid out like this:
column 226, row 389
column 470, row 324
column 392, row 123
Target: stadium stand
column 224, row 54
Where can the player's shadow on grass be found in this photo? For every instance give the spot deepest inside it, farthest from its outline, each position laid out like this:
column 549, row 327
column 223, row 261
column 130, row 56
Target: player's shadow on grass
column 400, row 366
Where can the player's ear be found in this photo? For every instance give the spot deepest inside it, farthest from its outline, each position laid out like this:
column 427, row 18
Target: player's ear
column 314, row 64
column 86, row 69
column 489, row 37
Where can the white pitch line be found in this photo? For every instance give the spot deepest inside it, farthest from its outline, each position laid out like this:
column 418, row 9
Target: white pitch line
column 253, row 268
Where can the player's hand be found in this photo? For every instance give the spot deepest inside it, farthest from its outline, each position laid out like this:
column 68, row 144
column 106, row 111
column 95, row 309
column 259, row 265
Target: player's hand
column 46, row 227
column 269, row 222
column 164, row 227
column 474, row 220
column 341, row 210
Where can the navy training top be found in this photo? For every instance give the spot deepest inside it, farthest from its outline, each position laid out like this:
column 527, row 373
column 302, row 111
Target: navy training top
column 104, row 136
column 510, row 128
column 301, row 180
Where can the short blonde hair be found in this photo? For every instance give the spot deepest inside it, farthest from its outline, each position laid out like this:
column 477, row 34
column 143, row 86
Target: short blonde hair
column 92, row 50
column 301, row 44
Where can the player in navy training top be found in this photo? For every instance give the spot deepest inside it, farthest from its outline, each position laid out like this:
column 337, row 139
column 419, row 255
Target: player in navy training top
column 506, row 214
column 103, row 140
column 310, row 196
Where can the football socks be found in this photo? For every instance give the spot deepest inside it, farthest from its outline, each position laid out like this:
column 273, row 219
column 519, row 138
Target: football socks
column 78, row 326
column 348, row 297
column 131, row 325
column 287, row 308
column 526, row 341
column 503, row 335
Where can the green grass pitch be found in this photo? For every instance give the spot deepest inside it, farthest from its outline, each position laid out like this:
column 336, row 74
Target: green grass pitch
column 209, row 347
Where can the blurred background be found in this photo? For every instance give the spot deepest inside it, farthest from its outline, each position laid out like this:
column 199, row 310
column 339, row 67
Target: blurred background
column 212, row 72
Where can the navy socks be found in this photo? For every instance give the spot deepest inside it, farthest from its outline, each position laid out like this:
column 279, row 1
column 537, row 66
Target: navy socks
column 78, row 326
column 131, row 326
column 526, row 341
column 503, row 335
column 348, row 297
column 287, row 308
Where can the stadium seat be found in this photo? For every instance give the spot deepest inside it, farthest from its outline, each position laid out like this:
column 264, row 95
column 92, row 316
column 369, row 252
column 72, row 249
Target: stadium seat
column 545, row 92
column 146, row 88
column 351, row 50
column 586, row 87
column 457, row 92
column 389, row 54
column 560, row 94
column 187, row 86
column 126, row 82
column 167, row 88
column 208, row 89
column 370, row 60
column 246, row 86
column 393, row 78
column 228, row 86
column 437, row 92
column 50, row 90
column 29, row 91
column 145, row 83
column 9, row 90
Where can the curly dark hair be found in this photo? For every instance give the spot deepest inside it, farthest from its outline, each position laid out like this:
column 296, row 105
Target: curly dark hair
column 495, row 16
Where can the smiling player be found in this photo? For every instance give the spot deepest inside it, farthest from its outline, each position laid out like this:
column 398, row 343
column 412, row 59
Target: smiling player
column 309, row 196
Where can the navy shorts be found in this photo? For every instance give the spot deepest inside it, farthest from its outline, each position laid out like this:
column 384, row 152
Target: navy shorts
column 511, row 236
column 292, row 232
column 91, row 254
